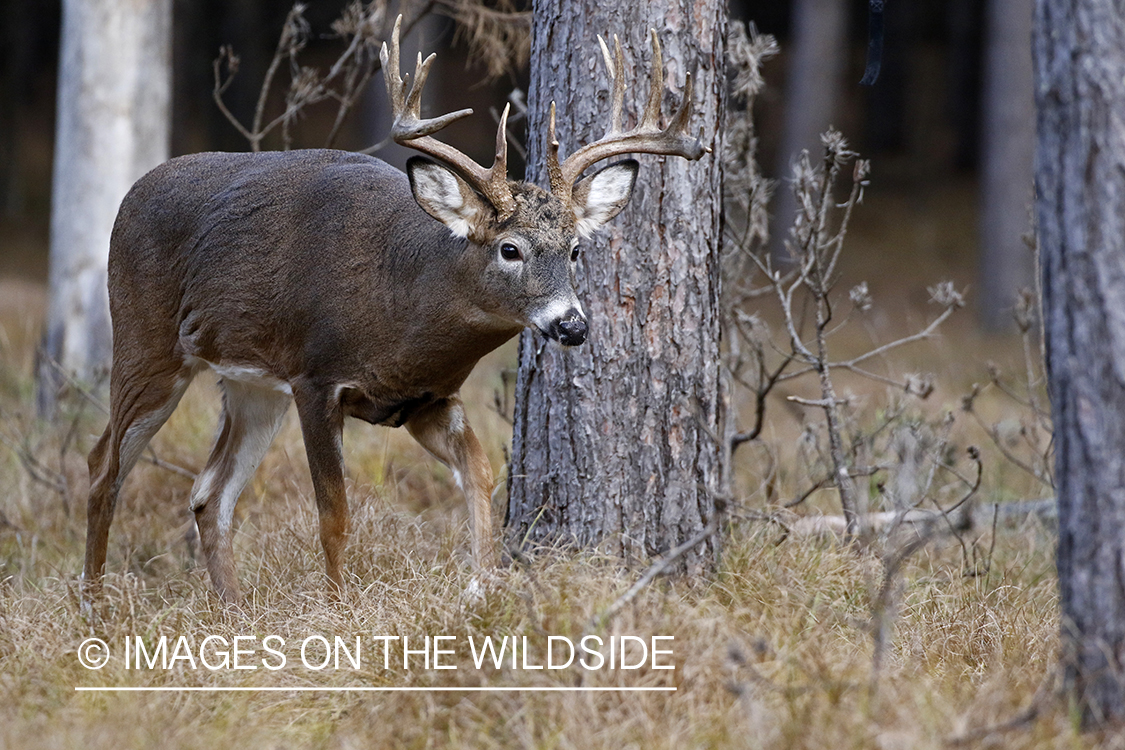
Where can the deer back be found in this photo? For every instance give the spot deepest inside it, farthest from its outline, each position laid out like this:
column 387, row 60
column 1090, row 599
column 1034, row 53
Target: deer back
column 305, row 262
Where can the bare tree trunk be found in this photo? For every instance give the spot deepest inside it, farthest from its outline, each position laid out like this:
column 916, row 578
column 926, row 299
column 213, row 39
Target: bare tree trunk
column 812, row 81
column 1006, row 264
column 112, row 127
column 1080, row 182
column 619, row 443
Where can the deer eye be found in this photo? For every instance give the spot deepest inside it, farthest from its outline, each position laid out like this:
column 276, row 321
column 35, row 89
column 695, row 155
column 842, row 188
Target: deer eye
column 574, row 253
column 508, row 251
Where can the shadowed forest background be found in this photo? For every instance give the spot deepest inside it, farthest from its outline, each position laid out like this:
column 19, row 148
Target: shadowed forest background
column 922, row 124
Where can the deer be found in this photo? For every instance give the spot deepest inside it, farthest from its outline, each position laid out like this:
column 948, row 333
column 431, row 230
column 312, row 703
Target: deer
column 334, row 281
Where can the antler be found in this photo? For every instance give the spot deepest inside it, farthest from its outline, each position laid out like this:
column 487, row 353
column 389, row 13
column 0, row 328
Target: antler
column 410, row 130
column 646, row 137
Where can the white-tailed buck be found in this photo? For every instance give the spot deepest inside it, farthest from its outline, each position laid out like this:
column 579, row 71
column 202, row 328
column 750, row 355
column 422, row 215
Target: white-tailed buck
column 323, row 278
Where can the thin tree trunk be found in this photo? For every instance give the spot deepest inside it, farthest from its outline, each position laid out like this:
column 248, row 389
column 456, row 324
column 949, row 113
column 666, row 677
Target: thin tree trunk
column 812, row 81
column 1080, row 182
column 1006, row 264
column 112, row 127
column 619, row 443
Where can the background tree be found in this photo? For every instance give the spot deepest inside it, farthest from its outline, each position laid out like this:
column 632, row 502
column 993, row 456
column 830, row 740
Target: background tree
column 112, row 126
column 1080, row 182
column 1008, row 132
column 813, row 82
column 619, row 442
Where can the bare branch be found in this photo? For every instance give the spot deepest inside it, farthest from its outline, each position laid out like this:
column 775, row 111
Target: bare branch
column 36, row 469
column 221, row 85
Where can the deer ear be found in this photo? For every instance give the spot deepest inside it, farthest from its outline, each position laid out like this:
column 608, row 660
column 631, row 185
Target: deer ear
column 602, row 195
column 445, row 196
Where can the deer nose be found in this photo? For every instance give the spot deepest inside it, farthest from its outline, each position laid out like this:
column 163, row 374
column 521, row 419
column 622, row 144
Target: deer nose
column 572, row 329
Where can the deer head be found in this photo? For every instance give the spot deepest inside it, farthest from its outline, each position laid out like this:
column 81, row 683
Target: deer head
column 528, row 237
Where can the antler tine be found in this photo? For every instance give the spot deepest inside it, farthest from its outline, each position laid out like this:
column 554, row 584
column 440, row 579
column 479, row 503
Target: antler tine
column 498, row 174
column 421, row 73
column 391, row 76
column 616, row 76
column 646, row 137
column 410, row 130
column 554, row 172
column 651, row 118
column 683, row 114
column 409, row 124
column 619, row 88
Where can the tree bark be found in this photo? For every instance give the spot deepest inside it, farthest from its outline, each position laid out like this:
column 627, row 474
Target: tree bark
column 112, row 126
column 1080, row 182
column 619, row 443
column 1007, row 172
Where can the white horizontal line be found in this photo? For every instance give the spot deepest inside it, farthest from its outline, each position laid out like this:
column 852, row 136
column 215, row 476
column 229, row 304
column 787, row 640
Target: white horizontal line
column 363, row 689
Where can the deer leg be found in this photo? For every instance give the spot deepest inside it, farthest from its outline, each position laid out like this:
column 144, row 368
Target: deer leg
column 137, row 412
column 321, row 425
column 441, row 428
column 249, row 422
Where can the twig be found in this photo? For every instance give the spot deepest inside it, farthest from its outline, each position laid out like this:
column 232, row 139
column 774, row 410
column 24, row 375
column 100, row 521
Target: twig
column 925, row 333
column 966, row 522
column 220, row 87
column 994, row 436
column 820, row 403
column 155, row 460
column 974, row 454
column 1046, row 694
column 820, row 484
column 885, row 605
column 660, row 566
column 377, row 147
column 72, row 382
column 991, row 544
column 36, row 469
column 760, row 394
column 293, row 21
column 1029, row 360
column 860, row 172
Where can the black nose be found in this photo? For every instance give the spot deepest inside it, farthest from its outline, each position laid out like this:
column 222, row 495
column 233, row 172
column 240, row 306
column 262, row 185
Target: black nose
column 572, row 331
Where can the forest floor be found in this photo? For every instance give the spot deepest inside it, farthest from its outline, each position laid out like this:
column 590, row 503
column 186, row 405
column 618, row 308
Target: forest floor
column 794, row 641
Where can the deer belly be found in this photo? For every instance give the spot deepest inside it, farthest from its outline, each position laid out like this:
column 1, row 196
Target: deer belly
column 250, row 375
column 391, row 413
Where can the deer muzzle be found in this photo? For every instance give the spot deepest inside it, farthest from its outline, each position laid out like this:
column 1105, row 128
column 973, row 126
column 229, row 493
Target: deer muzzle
column 572, row 329
column 562, row 321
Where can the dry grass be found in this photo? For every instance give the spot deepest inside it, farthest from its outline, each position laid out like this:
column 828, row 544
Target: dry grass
column 773, row 650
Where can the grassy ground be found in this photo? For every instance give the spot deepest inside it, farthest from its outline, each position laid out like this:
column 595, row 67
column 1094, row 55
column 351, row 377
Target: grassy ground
column 775, row 649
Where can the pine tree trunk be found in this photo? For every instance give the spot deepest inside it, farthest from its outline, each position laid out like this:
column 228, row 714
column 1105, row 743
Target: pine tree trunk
column 112, row 127
column 618, row 443
column 1080, row 181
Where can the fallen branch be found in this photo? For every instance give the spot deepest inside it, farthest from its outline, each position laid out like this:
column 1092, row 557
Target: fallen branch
column 1008, row 514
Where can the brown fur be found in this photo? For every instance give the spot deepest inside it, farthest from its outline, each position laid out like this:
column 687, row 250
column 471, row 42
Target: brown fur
column 319, row 271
